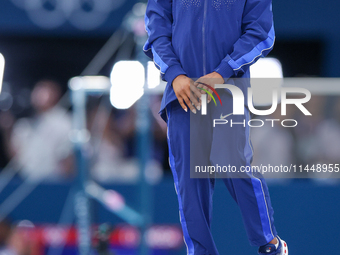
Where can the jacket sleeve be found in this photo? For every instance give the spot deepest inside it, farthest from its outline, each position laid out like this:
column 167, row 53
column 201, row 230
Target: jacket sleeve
column 158, row 24
column 256, row 41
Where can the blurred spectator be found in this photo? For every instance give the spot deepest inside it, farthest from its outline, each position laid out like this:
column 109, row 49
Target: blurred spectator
column 308, row 149
column 5, row 233
column 273, row 145
column 6, row 124
column 126, row 125
column 328, row 138
column 40, row 145
column 108, row 161
column 160, row 144
column 114, row 145
column 23, row 240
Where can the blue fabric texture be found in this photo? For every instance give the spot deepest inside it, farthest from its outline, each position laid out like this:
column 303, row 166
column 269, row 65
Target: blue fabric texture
column 222, row 145
column 197, row 37
column 194, row 38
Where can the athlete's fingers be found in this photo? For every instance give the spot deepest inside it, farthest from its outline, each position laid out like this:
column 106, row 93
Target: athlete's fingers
column 186, row 98
column 200, row 86
column 194, row 101
column 209, row 97
column 181, row 102
column 203, row 85
column 195, row 96
column 195, row 90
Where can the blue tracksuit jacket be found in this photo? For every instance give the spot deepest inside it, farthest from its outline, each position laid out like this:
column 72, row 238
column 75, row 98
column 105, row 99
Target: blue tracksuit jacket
column 197, row 37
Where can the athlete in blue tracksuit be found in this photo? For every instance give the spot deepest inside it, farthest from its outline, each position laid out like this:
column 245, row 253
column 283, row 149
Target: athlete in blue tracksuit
column 215, row 41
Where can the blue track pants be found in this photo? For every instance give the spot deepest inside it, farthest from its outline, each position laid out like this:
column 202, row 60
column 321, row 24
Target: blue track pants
column 222, row 145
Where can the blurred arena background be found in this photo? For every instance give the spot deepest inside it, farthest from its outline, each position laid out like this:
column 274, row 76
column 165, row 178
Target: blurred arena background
column 47, row 42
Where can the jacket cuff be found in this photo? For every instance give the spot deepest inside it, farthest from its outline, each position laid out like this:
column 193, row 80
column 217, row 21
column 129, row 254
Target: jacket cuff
column 225, row 70
column 172, row 72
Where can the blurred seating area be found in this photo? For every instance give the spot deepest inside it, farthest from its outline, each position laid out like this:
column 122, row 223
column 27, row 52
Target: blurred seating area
column 314, row 141
column 43, row 54
column 38, row 147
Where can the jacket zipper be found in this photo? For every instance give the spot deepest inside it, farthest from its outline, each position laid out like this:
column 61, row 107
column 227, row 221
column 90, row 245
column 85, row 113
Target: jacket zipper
column 203, row 37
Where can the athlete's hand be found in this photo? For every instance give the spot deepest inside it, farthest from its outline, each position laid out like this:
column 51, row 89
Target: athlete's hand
column 187, row 94
column 210, row 79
